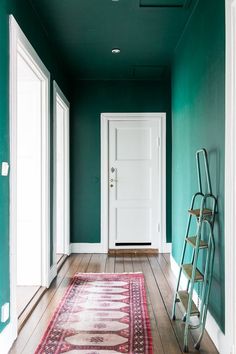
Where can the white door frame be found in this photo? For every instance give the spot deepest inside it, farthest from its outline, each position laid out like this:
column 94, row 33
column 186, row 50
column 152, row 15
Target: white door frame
column 58, row 94
column 19, row 40
column 163, row 246
column 230, row 178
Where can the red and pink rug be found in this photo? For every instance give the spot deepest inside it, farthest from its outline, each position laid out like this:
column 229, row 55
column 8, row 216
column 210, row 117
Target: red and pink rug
column 100, row 314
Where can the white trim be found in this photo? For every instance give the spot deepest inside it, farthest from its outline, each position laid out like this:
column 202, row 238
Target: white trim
column 18, row 40
column 52, row 273
column 87, row 248
column 105, row 118
column 65, row 103
column 230, row 176
column 12, row 179
column 7, row 338
column 58, row 91
column 212, row 327
column 166, row 247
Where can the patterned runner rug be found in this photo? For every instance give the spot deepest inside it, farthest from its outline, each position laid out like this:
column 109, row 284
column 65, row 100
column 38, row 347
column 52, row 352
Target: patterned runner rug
column 100, row 314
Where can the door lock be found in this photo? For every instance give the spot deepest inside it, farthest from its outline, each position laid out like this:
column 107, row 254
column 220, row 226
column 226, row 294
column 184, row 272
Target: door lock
column 113, row 180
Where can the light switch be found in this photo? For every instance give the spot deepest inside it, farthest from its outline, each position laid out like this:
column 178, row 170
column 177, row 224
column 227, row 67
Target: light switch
column 5, row 312
column 5, row 168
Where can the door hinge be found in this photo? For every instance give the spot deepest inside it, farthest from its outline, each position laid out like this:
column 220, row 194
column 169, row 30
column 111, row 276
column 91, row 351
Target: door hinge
column 158, row 141
column 158, row 227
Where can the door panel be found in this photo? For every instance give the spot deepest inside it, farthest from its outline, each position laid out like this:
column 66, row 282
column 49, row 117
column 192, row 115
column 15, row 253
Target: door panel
column 29, row 175
column 133, row 143
column 133, row 219
column 131, row 188
column 134, row 182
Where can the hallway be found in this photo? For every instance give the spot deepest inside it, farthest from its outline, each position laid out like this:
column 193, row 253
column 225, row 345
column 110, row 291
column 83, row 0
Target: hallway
column 160, row 283
column 121, row 58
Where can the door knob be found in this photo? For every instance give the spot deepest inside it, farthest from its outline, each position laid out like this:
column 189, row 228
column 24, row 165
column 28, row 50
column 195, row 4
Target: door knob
column 111, row 185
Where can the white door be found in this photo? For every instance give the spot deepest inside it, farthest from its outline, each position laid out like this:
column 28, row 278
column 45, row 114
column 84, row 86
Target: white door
column 29, row 174
column 61, row 107
column 134, row 183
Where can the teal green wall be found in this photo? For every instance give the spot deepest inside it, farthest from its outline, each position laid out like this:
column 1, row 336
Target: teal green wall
column 4, row 156
column 198, row 106
column 90, row 99
column 29, row 23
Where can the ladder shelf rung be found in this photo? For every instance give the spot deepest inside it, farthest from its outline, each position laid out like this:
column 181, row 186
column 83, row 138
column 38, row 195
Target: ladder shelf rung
column 183, row 296
column 188, row 269
column 193, row 240
column 196, row 212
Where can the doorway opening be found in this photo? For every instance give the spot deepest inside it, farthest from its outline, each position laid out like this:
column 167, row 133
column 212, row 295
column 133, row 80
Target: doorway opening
column 29, row 181
column 61, row 175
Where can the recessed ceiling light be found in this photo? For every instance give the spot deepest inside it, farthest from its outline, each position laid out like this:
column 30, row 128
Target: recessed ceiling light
column 115, row 51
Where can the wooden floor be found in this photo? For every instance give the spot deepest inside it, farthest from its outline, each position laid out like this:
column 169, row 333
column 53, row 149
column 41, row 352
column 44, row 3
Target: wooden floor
column 160, row 283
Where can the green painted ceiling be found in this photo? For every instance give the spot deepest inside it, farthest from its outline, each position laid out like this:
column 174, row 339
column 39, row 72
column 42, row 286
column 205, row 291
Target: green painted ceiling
column 85, row 31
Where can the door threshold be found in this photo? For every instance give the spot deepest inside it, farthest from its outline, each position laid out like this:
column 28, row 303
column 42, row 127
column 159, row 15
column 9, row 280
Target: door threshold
column 59, row 257
column 29, row 308
column 136, row 251
column 61, row 261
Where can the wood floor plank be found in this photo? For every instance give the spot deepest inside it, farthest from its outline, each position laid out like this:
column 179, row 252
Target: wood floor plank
column 97, row 263
column 128, row 264
column 166, row 256
column 119, row 264
column 110, row 264
column 168, row 338
column 157, row 344
column 166, row 269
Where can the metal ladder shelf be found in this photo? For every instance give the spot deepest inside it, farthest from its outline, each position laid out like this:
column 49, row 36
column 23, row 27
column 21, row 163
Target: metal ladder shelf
column 203, row 210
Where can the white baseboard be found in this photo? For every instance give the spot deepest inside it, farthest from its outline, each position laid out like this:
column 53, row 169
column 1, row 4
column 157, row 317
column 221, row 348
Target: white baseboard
column 212, row 327
column 87, row 248
column 166, row 248
column 7, row 338
column 52, row 273
column 99, row 248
